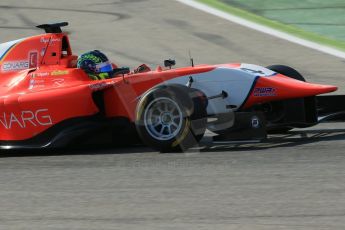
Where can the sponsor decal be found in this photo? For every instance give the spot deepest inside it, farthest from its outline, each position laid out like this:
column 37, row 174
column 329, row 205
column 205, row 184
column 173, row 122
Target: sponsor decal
column 55, row 40
column 26, row 118
column 17, row 65
column 46, row 40
column 255, row 122
column 43, row 51
column 257, row 70
column 59, row 72
column 264, row 92
column 253, row 71
column 33, row 59
column 58, row 81
column 98, row 86
column 35, row 83
column 47, row 74
column 40, row 74
column 41, row 82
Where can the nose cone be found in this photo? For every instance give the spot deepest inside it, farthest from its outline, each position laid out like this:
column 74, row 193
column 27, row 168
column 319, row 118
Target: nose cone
column 290, row 88
column 280, row 87
column 316, row 89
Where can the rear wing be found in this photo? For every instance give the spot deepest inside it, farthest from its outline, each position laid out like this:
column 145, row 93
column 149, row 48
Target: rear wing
column 54, row 28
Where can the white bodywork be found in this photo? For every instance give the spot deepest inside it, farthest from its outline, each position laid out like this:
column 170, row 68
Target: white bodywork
column 237, row 82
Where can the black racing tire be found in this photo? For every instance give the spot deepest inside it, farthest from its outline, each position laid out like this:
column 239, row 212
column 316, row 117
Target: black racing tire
column 171, row 118
column 287, row 71
column 278, row 106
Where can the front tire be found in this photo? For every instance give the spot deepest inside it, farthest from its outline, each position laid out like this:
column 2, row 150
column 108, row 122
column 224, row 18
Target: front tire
column 171, row 118
column 287, row 71
column 278, row 109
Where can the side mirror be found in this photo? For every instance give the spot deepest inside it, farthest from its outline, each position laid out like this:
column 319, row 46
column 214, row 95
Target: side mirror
column 122, row 70
column 169, row 63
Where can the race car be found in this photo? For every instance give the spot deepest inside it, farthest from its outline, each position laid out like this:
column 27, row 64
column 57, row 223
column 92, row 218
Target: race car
column 47, row 102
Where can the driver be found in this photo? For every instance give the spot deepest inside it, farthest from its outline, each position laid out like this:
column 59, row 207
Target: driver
column 96, row 65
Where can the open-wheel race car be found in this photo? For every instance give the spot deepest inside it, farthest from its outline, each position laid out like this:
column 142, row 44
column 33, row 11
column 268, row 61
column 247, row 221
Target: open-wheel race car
column 46, row 101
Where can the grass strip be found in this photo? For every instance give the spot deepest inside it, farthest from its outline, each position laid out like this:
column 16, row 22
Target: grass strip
column 340, row 45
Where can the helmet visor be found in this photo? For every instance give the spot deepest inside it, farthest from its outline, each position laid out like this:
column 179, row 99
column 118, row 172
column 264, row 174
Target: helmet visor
column 104, row 67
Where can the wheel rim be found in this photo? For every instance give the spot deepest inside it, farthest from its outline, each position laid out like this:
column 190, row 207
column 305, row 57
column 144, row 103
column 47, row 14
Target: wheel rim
column 163, row 118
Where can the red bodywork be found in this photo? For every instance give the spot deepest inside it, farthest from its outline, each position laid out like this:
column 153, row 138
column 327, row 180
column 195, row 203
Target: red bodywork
column 52, row 89
column 41, row 87
column 286, row 88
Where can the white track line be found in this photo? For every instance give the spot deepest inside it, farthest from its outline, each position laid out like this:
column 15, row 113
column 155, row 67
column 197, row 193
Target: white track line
column 264, row 29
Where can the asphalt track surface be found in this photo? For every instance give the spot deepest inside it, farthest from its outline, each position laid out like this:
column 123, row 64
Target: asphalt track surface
column 295, row 181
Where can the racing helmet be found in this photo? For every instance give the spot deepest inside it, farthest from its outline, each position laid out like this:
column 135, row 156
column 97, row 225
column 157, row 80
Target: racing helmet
column 95, row 64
